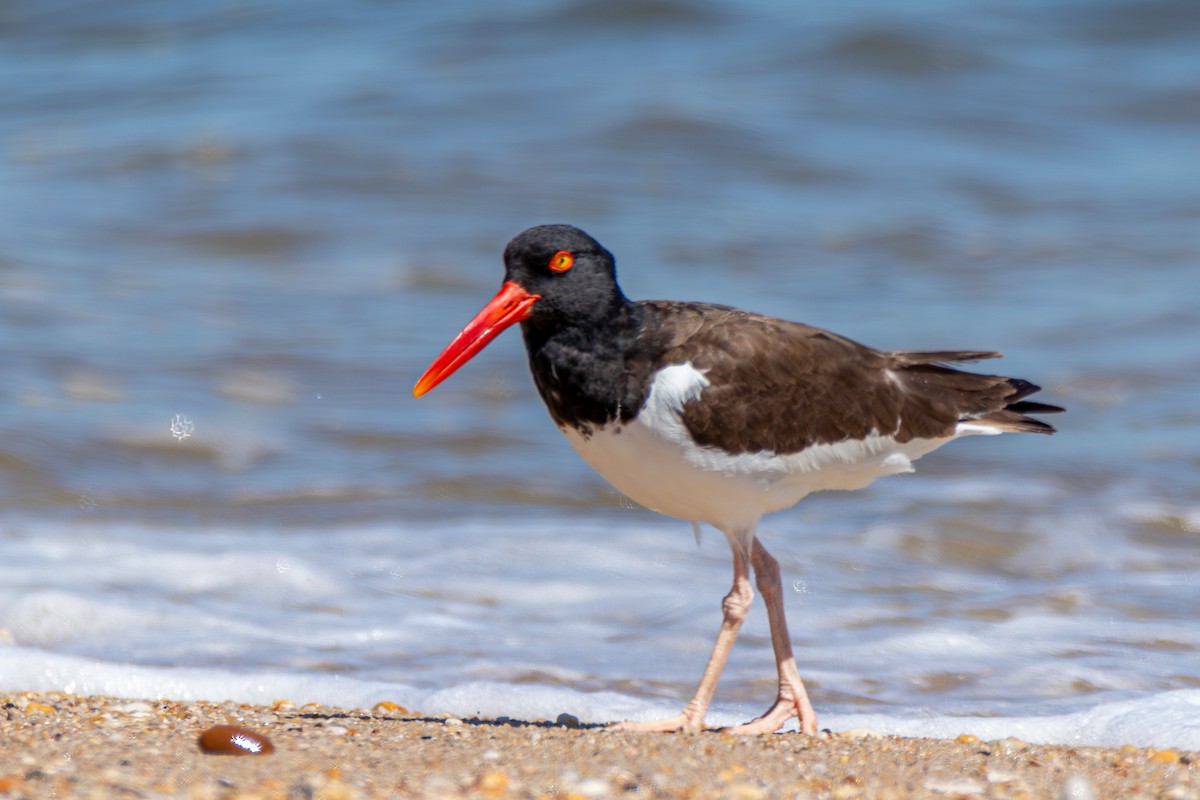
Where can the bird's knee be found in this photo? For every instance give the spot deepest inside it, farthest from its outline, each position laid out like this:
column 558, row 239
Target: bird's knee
column 736, row 604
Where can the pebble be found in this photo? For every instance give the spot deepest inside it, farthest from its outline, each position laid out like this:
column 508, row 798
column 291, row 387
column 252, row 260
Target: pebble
column 1002, row 776
column 954, row 785
column 746, row 791
column 234, row 740
column 1077, row 787
column 861, row 733
column 453, row 722
column 492, row 784
column 1008, row 746
column 593, row 787
column 567, row 720
column 1165, row 757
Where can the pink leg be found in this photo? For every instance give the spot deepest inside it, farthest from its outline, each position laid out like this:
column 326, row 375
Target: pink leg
column 734, row 607
column 792, row 700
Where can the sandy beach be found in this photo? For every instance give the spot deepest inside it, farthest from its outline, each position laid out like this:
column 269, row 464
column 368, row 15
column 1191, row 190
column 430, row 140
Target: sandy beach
column 61, row 745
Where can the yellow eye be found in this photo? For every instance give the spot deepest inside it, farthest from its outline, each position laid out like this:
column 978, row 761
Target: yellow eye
column 561, row 261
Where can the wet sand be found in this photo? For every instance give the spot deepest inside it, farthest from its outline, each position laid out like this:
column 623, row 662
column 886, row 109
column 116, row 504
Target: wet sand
column 61, row 745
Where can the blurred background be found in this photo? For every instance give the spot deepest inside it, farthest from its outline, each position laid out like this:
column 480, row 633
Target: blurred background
column 257, row 222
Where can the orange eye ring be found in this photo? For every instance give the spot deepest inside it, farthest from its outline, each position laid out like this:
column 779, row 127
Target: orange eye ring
column 561, row 261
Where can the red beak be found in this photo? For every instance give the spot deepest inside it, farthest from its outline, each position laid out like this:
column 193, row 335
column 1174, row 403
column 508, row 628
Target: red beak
column 510, row 305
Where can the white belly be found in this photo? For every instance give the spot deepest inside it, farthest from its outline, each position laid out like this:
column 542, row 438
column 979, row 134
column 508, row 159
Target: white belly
column 655, row 462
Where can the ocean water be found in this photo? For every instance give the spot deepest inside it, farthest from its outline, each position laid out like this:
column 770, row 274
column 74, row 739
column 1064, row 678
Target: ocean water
column 256, row 223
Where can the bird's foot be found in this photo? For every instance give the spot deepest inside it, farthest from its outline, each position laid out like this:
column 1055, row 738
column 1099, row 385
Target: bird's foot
column 786, row 706
column 681, row 723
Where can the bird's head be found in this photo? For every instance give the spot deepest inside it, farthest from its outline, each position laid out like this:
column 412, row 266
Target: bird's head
column 554, row 275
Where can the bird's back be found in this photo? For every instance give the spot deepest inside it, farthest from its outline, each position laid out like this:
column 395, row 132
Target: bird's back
column 780, row 386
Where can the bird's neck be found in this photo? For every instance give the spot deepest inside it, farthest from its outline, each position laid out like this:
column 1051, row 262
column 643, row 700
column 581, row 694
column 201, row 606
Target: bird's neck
column 585, row 370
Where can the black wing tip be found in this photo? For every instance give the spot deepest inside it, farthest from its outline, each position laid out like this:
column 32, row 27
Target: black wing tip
column 1032, row 407
column 1020, row 408
column 1015, row 415
column 1010, row 420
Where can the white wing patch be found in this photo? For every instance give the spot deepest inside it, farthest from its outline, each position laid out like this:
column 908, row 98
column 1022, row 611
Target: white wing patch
column 673, row 387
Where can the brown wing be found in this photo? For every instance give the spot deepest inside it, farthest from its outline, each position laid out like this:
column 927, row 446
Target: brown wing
column 782, row 386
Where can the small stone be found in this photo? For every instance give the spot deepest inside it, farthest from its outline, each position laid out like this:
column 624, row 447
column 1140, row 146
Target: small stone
column 1002, row 776
column 453, row 722
column 1165, row 757
column 954, row 785
column 337, row 730
column 861, row 733
column 108, row 721
column 388, row 707
column 491, row 784
column 567, row 720
column 1008, row 746
column 234, row 740
column 745, row 791
column 1078, row 787
column 593, row 787
column 967, row 738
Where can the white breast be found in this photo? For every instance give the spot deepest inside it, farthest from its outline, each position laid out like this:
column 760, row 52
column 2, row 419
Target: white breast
column 654, row 461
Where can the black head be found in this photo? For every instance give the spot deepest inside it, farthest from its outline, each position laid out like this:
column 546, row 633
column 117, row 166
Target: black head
column 557, row 279
column 574, row 276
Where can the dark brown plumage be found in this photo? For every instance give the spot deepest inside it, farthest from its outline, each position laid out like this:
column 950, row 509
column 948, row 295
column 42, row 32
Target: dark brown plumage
column 780, row 386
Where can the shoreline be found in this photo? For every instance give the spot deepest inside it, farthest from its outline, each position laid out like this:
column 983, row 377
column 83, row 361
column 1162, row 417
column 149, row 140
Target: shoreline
column 63, row 745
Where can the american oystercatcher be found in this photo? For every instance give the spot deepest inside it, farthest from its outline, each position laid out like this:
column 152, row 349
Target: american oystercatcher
column 712, row 414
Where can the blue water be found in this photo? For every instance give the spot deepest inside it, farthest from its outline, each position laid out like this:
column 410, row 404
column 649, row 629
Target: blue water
column 269, row 217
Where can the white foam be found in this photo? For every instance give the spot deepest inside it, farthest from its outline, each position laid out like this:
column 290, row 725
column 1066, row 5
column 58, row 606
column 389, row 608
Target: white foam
column 613, row 619
column 1169, row 719
column 25, row 669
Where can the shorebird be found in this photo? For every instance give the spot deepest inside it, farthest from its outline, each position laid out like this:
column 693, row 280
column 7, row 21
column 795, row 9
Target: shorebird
column 716, row 415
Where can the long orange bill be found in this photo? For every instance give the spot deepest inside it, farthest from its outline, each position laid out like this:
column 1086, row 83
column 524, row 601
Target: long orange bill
column 510, row 305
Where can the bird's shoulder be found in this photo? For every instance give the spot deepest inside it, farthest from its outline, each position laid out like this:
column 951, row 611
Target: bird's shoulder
column 781, row 386
column 752, row 351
